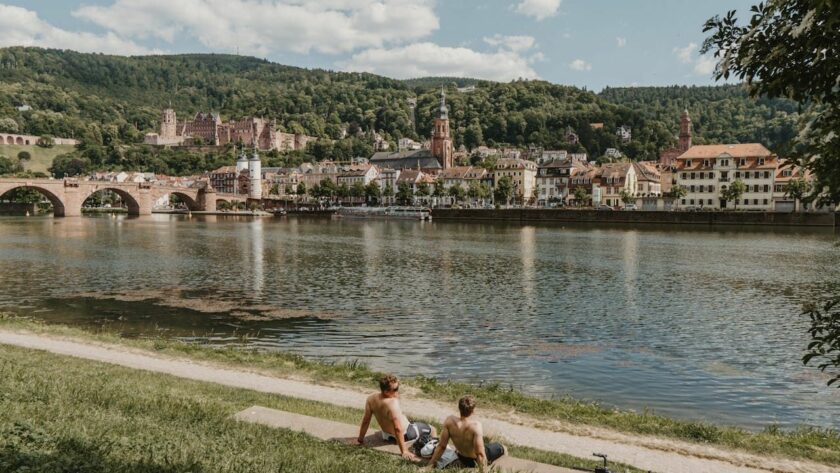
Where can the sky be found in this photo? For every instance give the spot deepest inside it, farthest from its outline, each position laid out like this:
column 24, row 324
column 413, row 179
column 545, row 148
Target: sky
column 587, row 43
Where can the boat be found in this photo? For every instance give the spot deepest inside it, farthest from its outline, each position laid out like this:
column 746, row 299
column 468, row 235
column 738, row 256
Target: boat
column 393, row 212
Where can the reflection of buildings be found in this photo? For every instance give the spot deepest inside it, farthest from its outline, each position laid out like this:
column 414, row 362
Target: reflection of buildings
column 208, row 129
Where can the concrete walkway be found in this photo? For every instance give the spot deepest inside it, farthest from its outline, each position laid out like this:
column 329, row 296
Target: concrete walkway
column 346, row 433
column 658, row 455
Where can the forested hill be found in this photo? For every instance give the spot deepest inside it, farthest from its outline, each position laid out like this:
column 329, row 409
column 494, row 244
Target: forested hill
column 722, row 114
column 110, row 99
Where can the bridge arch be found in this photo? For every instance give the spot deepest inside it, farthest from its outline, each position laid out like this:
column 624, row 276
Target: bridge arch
column 10, row 140
column 191, row 203
column 129, row 200
column 59, row 208
column 19, row 140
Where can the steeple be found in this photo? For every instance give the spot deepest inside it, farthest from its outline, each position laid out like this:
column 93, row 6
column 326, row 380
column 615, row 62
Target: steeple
column 685, row 131
column 444, row 110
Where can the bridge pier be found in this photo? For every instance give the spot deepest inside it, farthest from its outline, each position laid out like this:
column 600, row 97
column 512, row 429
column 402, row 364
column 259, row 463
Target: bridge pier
column 207, row 199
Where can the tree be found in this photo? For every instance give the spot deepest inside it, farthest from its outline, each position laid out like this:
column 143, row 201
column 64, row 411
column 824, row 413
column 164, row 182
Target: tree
column 504, row 190
column 289, row 190
column 797, row 189
column 789, row 49
column 301, row 189
column 68, row 165
column 581, row 196
column 474, row 191
column 24, row 156
column 223, row 205
column 824, row 348
column 677, row 192
column 388, row 192
column 627, row 197
column 734, row 192
column 457, row 193
column 275, row 190
column 372, row 192
column 405, row 194
column 357, row 190
column 424, row 190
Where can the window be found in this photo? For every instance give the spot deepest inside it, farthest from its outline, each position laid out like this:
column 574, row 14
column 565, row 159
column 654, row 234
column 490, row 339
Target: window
column 692, row 175
column 766, row 174
column 766, row 187
column 684, row 176
column 742, row 162
column 787, row 173
column 761, row 161
column 691, row 201
column 692, row 189
column 711, row 188
column 755, row 201
column 765, row 201
column 710, row 201
column 705, row 163
column 683, row 201
column 737, row 174
column 688, row 163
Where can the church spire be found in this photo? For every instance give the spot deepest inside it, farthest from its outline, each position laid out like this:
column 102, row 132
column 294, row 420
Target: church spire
column 444, row 110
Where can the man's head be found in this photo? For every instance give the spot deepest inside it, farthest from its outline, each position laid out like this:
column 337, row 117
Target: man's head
column 389, row 385
column 466, row 405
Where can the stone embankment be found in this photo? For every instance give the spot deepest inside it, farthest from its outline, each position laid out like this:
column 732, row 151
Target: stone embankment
column 531, row 215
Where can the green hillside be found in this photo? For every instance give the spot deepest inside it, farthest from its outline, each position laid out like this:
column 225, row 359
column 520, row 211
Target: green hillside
column 109, row 102
column 42, row 158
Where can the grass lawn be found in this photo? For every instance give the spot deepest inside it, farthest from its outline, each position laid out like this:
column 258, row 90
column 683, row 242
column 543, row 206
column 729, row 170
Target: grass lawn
column 820, row 445
column 42, row 158
column 65, row 414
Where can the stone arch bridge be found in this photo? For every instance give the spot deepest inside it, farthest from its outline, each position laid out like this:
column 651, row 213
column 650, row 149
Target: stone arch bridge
column 68, row 195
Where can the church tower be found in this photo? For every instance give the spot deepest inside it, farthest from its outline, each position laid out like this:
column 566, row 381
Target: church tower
column 442, row 148
column 685, row 132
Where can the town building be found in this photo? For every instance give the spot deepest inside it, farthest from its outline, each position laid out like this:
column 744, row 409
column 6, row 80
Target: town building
column 245, row 178
column 707, row 170
column 648, row 179
column 363, row 175
column 522, row 174
column 611, row 181
column 624, row 133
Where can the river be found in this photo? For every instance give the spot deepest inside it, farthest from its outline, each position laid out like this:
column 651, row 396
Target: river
column 695, row 323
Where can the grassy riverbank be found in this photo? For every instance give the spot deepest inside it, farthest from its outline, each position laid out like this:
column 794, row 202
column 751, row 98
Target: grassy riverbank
column 812, row 444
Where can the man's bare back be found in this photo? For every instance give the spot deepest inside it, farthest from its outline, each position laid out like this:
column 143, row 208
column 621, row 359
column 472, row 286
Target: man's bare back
column 463, row 433
column 387, row 412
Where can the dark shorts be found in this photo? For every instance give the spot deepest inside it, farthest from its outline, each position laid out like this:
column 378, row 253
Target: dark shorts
column 413, row 432
column 493, row 451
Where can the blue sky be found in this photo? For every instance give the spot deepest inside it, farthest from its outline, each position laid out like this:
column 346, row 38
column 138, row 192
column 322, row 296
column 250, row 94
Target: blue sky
column 588, row 43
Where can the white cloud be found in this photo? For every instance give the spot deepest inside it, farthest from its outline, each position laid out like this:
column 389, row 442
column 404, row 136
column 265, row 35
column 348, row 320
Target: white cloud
column 685, row 54
column 703, row 65
column 429, row 59
column 22, row 27
column 580, row 65
column 265, row 27
column 539, row 9
column 621, row 42
column 513, row 43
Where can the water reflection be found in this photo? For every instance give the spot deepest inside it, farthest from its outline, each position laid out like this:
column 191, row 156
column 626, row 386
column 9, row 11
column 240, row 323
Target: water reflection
column 693, row 322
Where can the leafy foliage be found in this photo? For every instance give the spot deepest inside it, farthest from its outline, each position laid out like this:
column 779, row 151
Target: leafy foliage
column 824, row 348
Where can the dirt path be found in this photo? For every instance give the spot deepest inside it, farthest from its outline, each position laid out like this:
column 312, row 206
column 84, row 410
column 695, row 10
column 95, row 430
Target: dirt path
column 658, row 455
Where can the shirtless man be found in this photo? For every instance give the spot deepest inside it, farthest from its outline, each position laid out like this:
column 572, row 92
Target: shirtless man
column 385, row 406
column 467, row 436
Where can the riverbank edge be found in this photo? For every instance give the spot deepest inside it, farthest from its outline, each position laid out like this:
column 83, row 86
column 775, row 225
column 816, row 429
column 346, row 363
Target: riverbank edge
column 532, row 215
column 566, row 414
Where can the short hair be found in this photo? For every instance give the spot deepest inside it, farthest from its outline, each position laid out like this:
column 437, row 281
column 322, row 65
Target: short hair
column 387, row 381
column 466, row 405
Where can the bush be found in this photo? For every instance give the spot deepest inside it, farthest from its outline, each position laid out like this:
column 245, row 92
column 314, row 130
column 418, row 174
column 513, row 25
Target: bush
column 24, row 156
column 46, row 141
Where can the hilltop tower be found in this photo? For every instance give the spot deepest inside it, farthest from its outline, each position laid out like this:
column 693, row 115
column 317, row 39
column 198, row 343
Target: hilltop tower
column 255, row 172
column 442, row 148
column 685, row 132
column 168, row 124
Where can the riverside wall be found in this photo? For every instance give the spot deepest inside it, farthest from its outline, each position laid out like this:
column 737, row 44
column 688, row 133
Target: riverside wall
column 640, row 217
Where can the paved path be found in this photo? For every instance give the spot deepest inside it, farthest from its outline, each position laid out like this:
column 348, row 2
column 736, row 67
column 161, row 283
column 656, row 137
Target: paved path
column 658, row 455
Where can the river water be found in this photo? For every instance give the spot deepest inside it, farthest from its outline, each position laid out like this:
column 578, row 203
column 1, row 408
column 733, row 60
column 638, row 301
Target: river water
column 696, row 323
